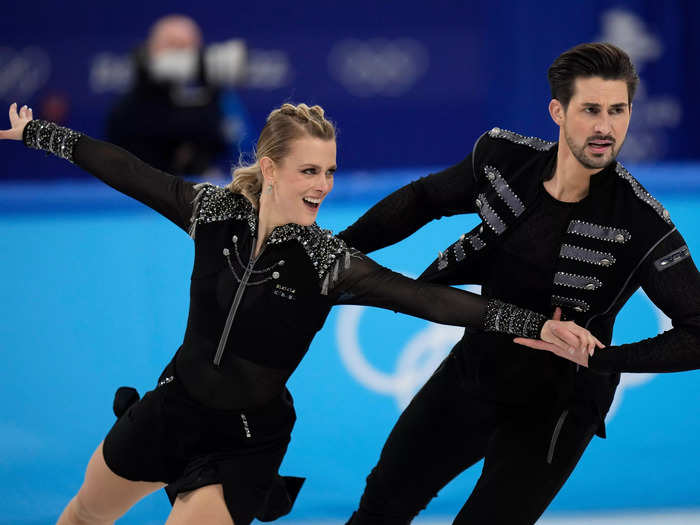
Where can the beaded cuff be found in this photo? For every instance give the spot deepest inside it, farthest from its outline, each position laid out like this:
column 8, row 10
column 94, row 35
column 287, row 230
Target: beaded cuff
column 510, row 319
column 47, row 136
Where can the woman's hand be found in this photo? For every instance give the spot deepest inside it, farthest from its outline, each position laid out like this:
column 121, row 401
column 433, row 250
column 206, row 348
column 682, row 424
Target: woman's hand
column 18, row 119
column 565, row 339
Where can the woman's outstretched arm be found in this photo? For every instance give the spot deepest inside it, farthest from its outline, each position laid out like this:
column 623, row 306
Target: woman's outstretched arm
column 362, row 281
column 170, row 196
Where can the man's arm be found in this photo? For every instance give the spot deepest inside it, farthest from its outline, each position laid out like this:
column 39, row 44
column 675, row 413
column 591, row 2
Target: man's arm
column 671, row 280
column 398, row 215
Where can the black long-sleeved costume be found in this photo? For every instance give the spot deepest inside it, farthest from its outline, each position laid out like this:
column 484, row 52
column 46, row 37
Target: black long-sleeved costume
column 252, row 317
column 529, row 414
column 587, row 257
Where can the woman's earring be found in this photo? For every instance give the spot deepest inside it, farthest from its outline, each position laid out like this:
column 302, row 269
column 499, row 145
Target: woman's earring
column 269, row 188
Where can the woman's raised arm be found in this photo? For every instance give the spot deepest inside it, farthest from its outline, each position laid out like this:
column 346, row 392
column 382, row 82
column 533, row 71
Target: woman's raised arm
column 170, row 196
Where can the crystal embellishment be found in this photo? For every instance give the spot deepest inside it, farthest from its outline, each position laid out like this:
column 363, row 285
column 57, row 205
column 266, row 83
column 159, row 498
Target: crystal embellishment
column 47, row 136
column 517, row 138
column 511, row 319
column 214, row 204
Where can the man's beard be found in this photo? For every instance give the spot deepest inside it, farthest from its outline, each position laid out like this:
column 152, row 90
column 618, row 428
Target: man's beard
column 586, row 161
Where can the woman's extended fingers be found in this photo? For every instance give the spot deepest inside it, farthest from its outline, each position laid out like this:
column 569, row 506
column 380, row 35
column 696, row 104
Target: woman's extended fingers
column 18, row 120
column 14, row 115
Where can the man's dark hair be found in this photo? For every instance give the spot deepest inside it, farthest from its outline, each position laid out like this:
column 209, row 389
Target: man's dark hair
column 596, row 59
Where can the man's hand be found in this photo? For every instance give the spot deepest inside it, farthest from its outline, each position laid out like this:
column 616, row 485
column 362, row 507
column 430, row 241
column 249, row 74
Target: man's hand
column 565, row 339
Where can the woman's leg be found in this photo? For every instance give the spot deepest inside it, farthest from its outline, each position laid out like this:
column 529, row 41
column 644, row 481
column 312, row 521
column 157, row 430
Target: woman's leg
column 203, row 505
column 104, row 496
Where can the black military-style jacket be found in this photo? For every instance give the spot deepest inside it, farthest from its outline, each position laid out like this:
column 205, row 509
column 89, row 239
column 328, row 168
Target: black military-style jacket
column 618, row 239
column 610, row 235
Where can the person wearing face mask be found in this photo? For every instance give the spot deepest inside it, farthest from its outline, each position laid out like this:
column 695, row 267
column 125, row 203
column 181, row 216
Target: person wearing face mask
column 217, row 425
column 171, row 117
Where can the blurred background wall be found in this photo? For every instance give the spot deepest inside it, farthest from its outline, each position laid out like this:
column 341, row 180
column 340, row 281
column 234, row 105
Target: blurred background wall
column 94, row 287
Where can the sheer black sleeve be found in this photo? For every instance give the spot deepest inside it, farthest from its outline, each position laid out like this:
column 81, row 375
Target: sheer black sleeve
column 168, row 195
column 398, row 215
column 671, row 280
column 364, row 282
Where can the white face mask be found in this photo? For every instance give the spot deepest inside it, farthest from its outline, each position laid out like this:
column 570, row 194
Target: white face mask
column 174, row 66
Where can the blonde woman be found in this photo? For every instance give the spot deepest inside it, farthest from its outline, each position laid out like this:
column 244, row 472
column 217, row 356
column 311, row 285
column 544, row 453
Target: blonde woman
column 214, row 430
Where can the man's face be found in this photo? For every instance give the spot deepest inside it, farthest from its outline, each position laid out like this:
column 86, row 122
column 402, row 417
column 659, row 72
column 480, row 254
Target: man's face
column 596, row 121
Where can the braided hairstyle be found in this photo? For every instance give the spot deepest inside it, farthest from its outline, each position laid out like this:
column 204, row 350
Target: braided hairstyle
column 284, row 125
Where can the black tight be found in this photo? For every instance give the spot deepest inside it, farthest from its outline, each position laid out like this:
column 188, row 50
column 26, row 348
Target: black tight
column 447, row 428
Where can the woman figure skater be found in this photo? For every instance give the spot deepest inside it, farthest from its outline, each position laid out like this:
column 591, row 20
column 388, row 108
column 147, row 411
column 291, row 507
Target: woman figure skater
column 215, row 428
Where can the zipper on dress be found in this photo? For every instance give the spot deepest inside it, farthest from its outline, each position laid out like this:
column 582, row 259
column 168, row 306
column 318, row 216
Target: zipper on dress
column 236, row 302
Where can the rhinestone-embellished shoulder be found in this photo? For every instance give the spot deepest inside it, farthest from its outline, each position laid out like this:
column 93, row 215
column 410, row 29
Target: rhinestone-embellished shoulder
column 533, row 142
column 322, row 247
column 641, row 193
column 328, row 254
column 214, row 203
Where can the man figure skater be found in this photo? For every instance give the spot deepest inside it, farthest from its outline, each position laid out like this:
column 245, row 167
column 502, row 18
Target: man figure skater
column 565, row 226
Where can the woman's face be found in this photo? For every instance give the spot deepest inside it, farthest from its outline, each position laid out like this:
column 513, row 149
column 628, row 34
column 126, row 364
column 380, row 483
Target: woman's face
column 300, row 181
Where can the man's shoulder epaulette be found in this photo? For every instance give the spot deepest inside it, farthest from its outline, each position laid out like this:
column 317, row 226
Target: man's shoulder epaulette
column 641, row 193
column 535, row 143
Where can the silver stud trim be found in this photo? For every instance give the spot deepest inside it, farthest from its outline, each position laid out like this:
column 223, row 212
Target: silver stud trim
column 459, row 249
column 489, row 215
column 517, row 138
column 505, row 192
column 577, row 253
column 643, row 194
column 460, row 254
column 567, row 302
column 476, row 241
column 596, row 231
column 581, row 282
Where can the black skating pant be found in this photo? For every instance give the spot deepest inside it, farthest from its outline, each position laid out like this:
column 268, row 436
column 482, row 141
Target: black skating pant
column 448, row 427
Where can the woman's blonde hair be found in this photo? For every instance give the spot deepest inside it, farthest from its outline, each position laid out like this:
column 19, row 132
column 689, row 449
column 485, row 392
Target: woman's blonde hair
column 284, row 124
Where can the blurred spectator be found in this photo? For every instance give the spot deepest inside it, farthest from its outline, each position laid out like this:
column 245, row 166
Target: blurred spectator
column 171, row 117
